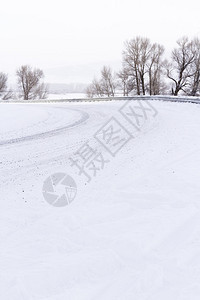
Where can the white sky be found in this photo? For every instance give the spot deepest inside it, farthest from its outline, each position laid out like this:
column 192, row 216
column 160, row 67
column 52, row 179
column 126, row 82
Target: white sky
column 75, row 34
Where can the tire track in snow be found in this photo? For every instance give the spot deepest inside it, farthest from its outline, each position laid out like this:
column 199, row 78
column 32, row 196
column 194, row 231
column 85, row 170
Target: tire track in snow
column 84, row 116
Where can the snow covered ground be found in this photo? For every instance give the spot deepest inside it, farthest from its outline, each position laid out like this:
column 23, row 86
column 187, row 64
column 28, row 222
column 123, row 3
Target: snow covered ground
column 132, row 232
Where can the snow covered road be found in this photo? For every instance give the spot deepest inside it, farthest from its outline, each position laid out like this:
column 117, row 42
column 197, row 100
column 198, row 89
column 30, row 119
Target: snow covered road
column 29, row 126
column 133, row 232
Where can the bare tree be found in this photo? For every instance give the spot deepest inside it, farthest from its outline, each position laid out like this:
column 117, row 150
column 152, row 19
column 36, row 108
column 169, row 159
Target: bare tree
column 180, row 69
column 4, row 93
column 90, row 91
column 28, row 80
column 94, row 89
column 108, row 82
column 97, row 88
column 154, row 64
column 105, row 86
column 143, row 61
column 135, row 58
column 126, row 81
column 40, row 91
column 194, row 85
column 3, row 82
column 131, row 60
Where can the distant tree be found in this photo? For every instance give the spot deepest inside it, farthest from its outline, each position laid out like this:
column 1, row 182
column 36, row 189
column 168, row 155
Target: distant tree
column 154, row 65
column 108, row 82
column 135, row 58
column 94, row 89
column 143, row 61
column 3, row 82
column 194, row 85
column 144, row 70
column 125, row 81
column 40, row 92
column 4, row 93
column 89, row 91
column 179, row 70
column 28, row 80
column 105, row 86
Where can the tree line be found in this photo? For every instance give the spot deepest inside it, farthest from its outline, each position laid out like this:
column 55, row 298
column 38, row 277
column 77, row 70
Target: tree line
column 146, row 71
column 29, row 84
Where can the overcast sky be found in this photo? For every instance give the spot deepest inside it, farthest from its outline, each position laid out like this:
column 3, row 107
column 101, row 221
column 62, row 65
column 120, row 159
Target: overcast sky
column 69, row 40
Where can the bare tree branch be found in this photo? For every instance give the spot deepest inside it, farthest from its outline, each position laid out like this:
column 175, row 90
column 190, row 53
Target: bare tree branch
column 3, row 82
